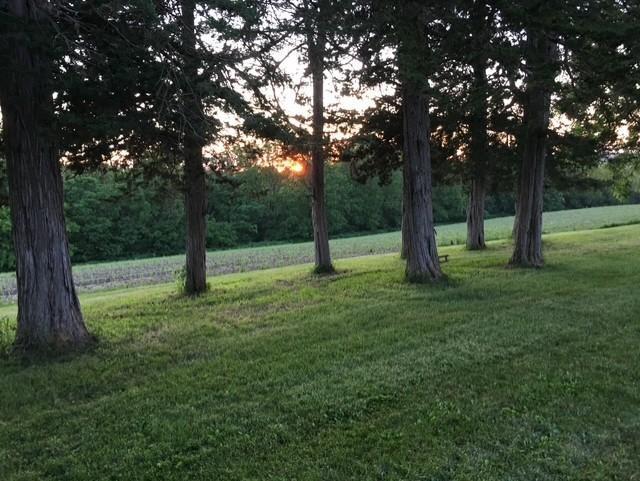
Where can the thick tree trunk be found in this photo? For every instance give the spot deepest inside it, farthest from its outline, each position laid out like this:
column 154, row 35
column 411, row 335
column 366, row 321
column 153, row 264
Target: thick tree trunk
column 49, row 313
column 422, row 254
column 479, row 139
column 528, row 229
column 318, row 201
column 194, row 175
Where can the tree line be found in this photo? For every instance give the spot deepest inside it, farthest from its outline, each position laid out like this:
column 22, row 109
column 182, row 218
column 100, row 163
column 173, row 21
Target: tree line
column 462, row 86
column 117, row 215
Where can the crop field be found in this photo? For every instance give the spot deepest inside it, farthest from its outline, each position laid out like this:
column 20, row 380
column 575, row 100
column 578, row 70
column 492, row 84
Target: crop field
column 109, row 275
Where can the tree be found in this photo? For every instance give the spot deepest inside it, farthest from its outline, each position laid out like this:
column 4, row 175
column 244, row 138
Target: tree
column 473, row 101
column 602, row 61
column 316, row 28
column 193, row 142
column 397, row 47
column 316, row 25
column 49, row 314
column 478, row 127
column 168, row 73
column 541, row 58
column 592, row 46
column 418, row 225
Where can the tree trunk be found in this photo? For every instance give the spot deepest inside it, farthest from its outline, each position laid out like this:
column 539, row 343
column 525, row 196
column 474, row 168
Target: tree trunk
column 514, row 229
column 528, row 229
column 49, row 313
column 413, row 66
column 478, row 129
column 194, row 174
column 195, row 208
column 475, row 215
column 318, row 201
column 404, row 250
column 422, row 254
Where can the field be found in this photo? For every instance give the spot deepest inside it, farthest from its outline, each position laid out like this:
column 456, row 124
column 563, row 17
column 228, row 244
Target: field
column 162, row 269
column 497, row 374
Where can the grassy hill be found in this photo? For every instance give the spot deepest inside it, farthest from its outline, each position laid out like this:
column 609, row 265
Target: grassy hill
column 497, row 374
column 156, row 270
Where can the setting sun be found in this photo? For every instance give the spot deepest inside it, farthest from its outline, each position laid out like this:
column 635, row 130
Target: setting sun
column 290, row 166
column 293, row 165
column 296, row 167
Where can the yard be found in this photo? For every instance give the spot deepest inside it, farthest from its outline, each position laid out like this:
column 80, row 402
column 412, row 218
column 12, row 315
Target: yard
column 496, row 374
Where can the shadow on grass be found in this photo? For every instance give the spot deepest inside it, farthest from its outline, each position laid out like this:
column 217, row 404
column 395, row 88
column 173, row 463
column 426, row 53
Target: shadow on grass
column 445, row 281
column 26, row 356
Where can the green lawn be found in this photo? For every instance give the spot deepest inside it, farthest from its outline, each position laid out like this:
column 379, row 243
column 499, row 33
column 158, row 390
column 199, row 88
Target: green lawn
column 502, row 374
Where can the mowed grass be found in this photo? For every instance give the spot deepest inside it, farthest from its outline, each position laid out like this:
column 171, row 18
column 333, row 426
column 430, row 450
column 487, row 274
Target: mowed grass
column 111, row 275
column 500, row 374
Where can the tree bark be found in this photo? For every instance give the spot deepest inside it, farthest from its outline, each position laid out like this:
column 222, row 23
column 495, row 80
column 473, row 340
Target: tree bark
column 404, row 250
column 422, row 253
column 475, row 214
column 528, row 228
column 317, row 179
column 195, row 208
column 194, row 174
column 49, row 313
column 478, row 130
column 514, row 229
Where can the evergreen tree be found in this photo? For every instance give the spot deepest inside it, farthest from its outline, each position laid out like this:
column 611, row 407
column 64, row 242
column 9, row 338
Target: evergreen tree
column 317, row 23
column 540, row 56
column 400, row 44
column 319, row 31
column 49, row 313
column 588, row 44
column 478, row 146
column 602, row 60
column 413, row 70
column 167, row 73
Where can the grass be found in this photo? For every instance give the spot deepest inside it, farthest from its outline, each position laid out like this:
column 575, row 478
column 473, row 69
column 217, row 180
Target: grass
column 111, row 275
column 498, row 374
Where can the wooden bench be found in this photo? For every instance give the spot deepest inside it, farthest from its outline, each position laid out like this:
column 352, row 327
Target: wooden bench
column 444, row 258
